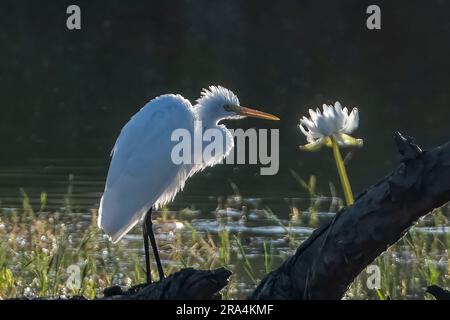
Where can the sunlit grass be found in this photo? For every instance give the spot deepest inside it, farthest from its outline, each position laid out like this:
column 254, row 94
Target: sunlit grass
column 37, row 247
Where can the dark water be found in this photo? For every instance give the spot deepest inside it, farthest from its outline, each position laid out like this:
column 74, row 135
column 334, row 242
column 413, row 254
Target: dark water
column 64, row 95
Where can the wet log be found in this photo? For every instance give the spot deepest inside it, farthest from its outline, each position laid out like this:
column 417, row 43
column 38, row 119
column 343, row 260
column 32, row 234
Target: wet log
column 438, row 293
column 186, row 284
column 327, row 262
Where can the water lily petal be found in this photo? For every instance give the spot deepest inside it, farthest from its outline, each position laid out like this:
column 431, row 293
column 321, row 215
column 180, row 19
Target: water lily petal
column 313, row 146
column 352, row 121
column 331, row 120
column 303, row 130
column 325, row 109
column 327, row 124
column 313, row 116
column 310, row 135
column 311, row 138
column 345, row 112
column 341, row 117
column 324, row 126
column 309, row 124
column 344, row 140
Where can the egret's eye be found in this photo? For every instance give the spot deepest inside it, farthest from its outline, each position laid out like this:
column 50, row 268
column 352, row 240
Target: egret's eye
column 228, row 108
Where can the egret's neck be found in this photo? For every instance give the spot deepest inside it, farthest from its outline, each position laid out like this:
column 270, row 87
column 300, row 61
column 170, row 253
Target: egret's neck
column 210, row 120
column 208, row 116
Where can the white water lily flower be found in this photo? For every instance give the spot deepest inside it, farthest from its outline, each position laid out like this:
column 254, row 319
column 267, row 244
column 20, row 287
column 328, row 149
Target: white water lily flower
column 333, row 122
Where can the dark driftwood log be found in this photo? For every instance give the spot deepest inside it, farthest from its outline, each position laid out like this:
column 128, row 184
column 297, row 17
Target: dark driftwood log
column 324, row 265
column 438, row 293
column 186, row 284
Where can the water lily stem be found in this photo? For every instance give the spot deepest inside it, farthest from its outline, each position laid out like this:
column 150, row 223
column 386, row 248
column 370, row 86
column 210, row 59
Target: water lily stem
column 342, row 173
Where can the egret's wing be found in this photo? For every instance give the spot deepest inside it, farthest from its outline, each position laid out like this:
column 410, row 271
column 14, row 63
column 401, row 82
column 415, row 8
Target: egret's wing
column 141, row 172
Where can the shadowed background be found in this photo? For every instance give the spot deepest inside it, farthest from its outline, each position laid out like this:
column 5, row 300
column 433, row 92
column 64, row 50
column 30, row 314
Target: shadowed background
column 64, row 95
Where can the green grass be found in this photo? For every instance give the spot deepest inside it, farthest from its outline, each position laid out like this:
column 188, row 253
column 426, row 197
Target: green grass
column 37, row 247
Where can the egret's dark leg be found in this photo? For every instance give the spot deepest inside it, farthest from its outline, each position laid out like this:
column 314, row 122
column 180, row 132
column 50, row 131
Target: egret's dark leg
column 147, row 251
column 149, row 227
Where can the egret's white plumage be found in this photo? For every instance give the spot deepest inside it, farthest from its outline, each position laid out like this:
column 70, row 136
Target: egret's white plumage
column 141, row 173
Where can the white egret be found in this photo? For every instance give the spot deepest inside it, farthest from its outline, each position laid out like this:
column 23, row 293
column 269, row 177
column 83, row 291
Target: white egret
column 142, row 174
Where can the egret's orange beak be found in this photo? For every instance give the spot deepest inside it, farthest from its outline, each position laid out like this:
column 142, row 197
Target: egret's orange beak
column 243, row 111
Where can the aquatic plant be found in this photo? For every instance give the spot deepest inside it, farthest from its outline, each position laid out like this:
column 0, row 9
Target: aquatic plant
column 331, row 128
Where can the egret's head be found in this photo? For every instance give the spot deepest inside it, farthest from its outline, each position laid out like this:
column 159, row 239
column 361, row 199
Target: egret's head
column 219, row 103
